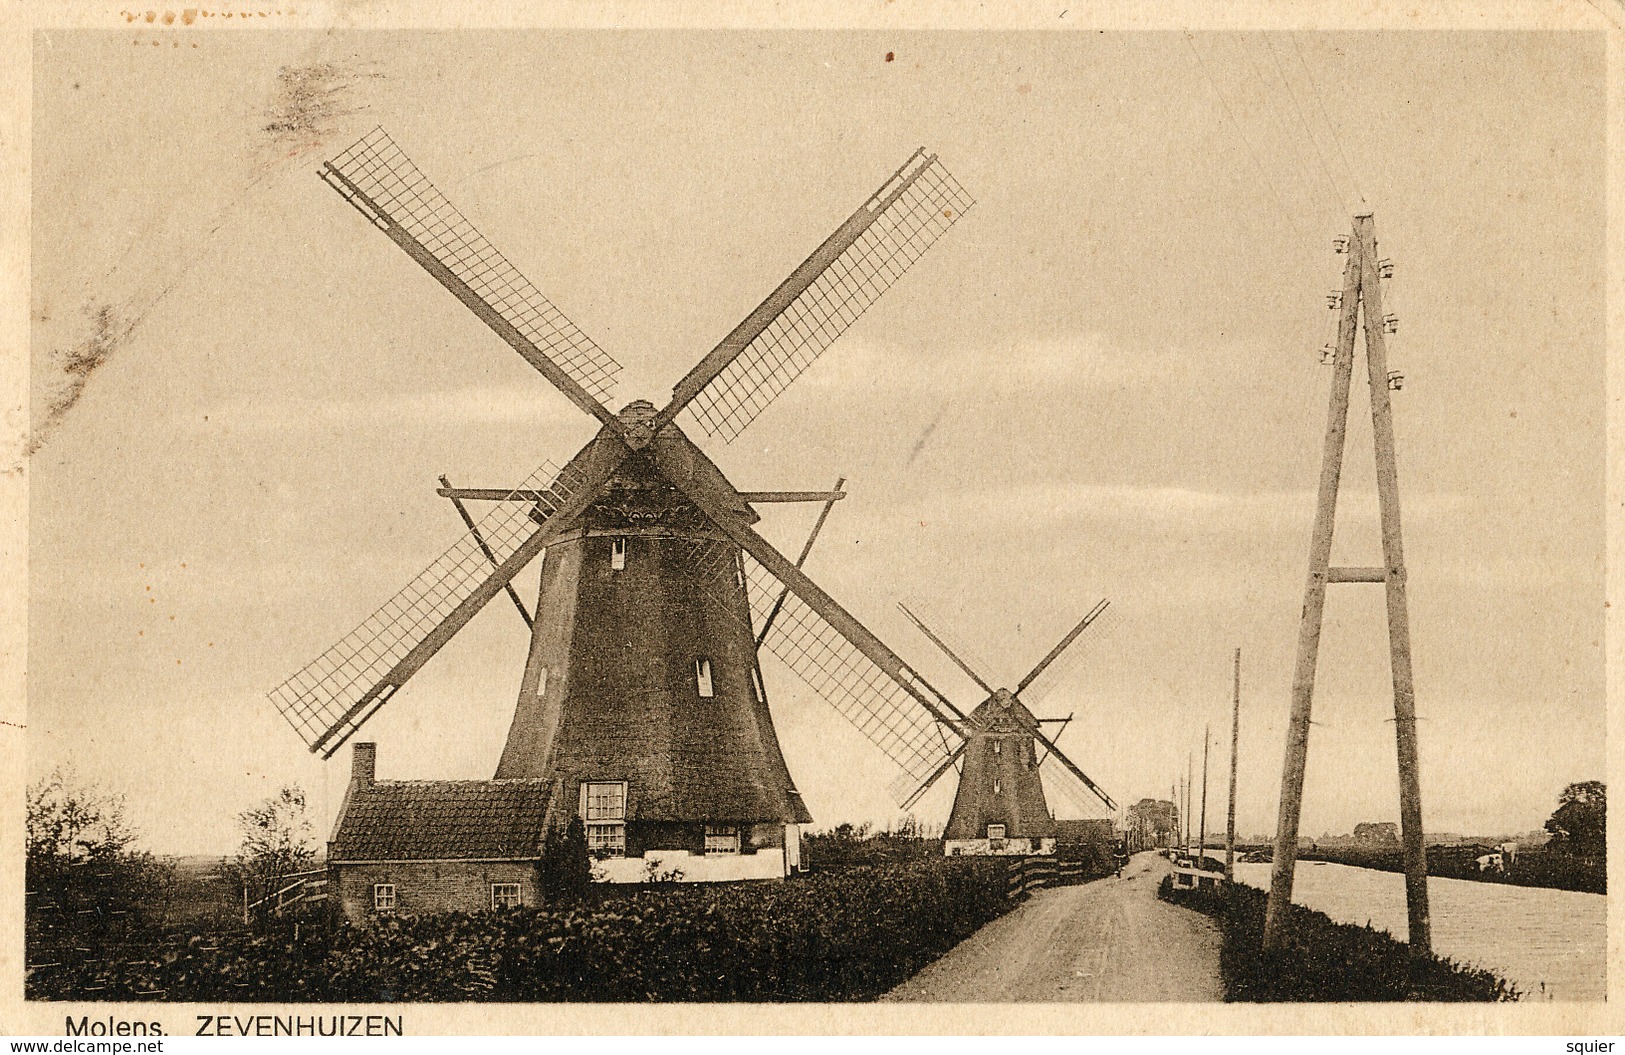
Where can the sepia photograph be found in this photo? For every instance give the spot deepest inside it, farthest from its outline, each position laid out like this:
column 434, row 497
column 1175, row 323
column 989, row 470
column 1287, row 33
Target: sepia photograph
column 916, row 514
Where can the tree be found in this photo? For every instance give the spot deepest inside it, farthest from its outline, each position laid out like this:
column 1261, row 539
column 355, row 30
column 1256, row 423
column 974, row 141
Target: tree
column 86, row 886
column 1579, row 825
column 566, row 871
column 1153, row 820
column 276, row 843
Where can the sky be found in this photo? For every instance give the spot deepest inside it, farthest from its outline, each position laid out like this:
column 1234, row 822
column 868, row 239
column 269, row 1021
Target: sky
column 1103, row 382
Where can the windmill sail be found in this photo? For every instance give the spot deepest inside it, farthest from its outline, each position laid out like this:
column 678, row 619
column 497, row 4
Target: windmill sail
column 332, row 696
column 898, row 224
column 382, row 183
column 833, row 668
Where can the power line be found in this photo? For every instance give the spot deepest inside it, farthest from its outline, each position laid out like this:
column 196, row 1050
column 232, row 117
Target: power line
column 1296, row 105
column 1320, row 102
column 1286, row 133
column 1223, row 102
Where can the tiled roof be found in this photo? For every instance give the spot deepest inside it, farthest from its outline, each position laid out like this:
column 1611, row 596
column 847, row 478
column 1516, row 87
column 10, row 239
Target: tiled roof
column 419, row 820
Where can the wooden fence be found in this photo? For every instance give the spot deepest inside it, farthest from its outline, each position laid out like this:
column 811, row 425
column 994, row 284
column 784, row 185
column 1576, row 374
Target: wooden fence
column 1034, row 873
column 298, row 888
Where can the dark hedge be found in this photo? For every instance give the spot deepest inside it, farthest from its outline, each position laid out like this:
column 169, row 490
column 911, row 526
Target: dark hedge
column 850, row 934
column 1324, row 960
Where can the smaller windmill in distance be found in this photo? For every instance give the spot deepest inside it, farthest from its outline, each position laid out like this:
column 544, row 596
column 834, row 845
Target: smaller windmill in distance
column 1000, row 807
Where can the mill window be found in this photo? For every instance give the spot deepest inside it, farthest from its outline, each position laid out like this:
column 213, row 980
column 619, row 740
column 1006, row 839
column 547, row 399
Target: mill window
column 617, row 554
column 603, row 812
column 383, row 897
column 998, row 748
column 995, row 785
column 702, row 678
column 721, row 839
column 995, row 836
column 504, row 895
column 756, row 684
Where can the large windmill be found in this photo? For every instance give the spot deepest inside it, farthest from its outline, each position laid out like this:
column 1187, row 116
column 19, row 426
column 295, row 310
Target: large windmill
column 642, row 708
column 999, row 806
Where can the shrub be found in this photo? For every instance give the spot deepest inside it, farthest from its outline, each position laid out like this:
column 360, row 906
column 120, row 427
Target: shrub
column 1323, row 960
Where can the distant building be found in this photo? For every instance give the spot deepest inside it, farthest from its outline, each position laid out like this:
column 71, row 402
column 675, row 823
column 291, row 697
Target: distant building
column 1376, row 834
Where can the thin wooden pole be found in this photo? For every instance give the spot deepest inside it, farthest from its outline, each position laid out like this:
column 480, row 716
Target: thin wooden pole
column 1190, row 791
column 1235, row 739
column 1399, row 627
column 1201, row 836
column 1314, row 604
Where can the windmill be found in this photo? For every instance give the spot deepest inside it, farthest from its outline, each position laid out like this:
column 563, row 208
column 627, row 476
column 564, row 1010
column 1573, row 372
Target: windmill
column 999, row 806
column 641, row 708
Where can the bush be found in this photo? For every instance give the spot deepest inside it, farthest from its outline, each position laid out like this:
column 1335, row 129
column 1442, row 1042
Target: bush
column 847, row 935
column 1323, row 960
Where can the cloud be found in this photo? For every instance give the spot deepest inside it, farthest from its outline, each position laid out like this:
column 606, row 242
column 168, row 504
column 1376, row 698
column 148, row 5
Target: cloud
column 472, row 405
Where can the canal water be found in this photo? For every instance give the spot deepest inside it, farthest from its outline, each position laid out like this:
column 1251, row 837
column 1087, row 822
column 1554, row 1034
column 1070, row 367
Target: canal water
column 1551, row 944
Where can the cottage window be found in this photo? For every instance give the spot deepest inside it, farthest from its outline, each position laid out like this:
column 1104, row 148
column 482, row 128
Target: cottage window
column 702, row 678
column 721, row 840
column 617, row 554
column 504, row 895
column 756, row 684
column 383, row 897
column 603, row 812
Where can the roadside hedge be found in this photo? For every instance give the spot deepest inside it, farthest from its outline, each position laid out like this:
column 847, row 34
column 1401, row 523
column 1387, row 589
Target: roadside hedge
column 1323, row 960
column 844, row 935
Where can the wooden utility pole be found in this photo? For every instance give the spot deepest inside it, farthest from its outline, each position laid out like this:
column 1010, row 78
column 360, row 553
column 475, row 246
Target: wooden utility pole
column 1230, row 815
column 1190, row 791
column 1201, row 836
column 1362, row 286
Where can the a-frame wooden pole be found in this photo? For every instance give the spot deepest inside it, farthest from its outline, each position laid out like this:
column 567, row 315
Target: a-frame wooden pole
column 1235, row 739
column 1361, row 288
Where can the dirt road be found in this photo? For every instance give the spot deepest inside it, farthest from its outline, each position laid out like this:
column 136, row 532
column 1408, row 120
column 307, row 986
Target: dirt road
column 1108, row 941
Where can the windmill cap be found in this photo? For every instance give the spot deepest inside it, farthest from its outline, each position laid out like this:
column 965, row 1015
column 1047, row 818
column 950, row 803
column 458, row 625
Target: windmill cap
column 637, row 412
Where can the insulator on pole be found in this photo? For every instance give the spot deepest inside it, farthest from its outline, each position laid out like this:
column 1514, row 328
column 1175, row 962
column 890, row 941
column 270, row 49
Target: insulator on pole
column 1341, row 244
column 1390, row 323
column 1385, row 269
column 1334, row 299
column 1328, row 353
column 1396, row 380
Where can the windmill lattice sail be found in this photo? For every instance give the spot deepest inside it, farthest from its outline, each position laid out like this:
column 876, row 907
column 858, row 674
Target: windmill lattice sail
column 833, row 667
column 407, row 200
column 909, row 225
column 324, row 701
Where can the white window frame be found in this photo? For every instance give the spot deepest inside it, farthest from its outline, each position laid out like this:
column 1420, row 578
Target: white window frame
column 995, row 832
column 605, row 823
column 506, row 895
column 721, row 839
column 704, row 682
column 756, row 683
column 383, row 897
column 998, row 747
column 617, row 554
column 996, row 786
